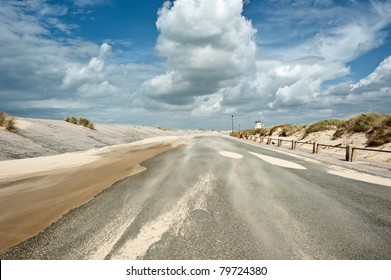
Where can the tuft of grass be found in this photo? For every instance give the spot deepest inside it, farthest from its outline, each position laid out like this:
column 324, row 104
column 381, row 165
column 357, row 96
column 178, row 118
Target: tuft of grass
column 323, row 126
column 161, row 128
column 71, row 119
column 286, row 129
column 7, row 122
column 3, row 117
column 81, row 121
column 86, row 123
column 380, row 134
column 359, row 123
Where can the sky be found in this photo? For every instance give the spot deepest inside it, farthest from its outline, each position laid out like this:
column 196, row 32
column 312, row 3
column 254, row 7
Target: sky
column 195, row 63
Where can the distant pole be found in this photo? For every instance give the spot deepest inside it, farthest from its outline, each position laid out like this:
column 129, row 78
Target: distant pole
column 239, row 126
column 232, row 130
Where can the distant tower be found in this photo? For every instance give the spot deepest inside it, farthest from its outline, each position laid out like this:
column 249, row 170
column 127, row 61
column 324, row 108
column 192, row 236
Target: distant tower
column 259, row 123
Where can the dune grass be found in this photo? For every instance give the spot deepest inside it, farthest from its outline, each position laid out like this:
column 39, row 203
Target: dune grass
column 323, row 125
column 359, row 123
column 380, row 134
column 7, row 122
column 81, row 121
column 377, row 128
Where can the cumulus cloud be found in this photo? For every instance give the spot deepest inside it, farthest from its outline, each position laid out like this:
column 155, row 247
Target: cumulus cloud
column 213, row 66
column 295, row 71
column 77, row 74
column 378, row 80
column 208, row 46
column 53, row 76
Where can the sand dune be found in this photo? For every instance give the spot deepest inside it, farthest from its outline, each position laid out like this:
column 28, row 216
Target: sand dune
column 41, row 137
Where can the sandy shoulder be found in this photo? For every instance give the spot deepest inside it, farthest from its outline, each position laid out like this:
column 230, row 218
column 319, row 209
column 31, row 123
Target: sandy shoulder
column 36, row 192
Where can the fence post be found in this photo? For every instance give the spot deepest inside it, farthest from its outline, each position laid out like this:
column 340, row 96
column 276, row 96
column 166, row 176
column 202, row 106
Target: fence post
column 314, row 148
column 279, row 142
column 293, row 144
column 268, row 141
column 349, row 153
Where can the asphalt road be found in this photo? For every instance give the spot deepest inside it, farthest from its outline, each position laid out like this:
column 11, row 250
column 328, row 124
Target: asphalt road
column 217, row 198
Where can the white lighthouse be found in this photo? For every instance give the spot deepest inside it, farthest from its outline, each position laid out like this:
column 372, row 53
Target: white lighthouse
column 259, row 123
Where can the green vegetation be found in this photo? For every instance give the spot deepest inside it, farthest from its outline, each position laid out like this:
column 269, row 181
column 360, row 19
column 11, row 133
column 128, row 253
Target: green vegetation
column 360, row 123
column 71, row 119
column 323, row 126
column 380, row 134
column 81, row 121
column 161, row 128
column 7, row 122
column 86, row 123
column 377, row 128
column 286, row 130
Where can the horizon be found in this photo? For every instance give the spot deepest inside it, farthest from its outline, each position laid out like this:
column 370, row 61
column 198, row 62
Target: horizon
column 194, row 64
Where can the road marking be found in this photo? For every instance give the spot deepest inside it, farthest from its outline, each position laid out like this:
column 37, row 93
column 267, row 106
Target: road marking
column 361, row 177
column 231, row 154
column 279, row 162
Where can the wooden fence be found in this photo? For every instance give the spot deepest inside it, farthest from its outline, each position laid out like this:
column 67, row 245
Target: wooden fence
column 349, row 149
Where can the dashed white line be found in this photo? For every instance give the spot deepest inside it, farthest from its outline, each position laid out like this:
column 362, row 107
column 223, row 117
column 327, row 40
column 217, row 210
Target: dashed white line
column 279, row 162
column 231, row 155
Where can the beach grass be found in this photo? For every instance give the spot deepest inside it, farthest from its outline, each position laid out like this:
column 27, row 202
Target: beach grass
column 81, row 121
column 7, row 122
column 376, row 126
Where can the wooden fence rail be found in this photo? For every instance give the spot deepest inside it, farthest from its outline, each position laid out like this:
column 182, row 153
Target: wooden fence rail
column 349, row 150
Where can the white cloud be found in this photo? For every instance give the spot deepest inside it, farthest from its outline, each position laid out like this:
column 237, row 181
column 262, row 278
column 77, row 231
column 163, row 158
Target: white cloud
column 211, row 57
column 208, row 46
column 86, row 3
column 212, row 67
column 77, row 74
column 53, row 76
column 379, row 79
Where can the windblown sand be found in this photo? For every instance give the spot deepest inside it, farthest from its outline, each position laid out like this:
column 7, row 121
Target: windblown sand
column 36, row 192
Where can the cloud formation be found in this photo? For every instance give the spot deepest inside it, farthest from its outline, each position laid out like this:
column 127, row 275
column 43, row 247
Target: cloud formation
column 54, row 76
column 208, row 46
column 296, row 60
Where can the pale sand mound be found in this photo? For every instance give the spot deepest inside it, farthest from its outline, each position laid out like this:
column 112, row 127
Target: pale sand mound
column 39, row 137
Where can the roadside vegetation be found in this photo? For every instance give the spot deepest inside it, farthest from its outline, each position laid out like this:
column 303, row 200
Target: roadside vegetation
column 161, row 128
column 377, row 128
column 324, row 125
column 81, row 121
column 7, row 122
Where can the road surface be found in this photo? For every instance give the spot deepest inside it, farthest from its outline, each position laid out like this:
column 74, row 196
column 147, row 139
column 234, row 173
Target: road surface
column 216, row 198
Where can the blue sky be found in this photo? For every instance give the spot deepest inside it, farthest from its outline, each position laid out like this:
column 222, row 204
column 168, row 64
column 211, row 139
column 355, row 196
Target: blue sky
column 194, row 63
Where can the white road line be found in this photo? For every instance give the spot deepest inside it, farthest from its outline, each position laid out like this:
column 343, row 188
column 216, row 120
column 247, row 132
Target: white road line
column 231, row 155
column 350, row 174
column 278, row 162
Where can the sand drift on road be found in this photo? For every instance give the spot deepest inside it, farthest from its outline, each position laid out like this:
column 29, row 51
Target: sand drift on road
column 36, row 192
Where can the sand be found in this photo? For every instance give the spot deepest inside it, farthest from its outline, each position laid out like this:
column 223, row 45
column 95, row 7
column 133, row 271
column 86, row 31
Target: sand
column 34, row 193
column 41, row 137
